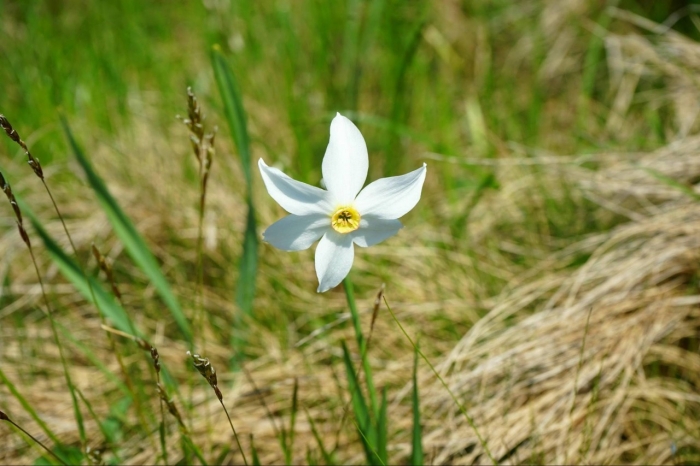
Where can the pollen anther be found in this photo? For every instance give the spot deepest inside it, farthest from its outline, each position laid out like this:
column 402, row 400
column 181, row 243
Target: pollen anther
column 345, row 220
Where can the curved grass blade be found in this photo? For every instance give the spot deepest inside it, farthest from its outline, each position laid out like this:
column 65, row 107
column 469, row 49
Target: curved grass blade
column 236, row 117
column 130, row 237
column 70, row 269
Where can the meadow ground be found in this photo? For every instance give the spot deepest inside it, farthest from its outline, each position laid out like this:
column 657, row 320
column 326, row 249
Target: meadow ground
column 550, row 272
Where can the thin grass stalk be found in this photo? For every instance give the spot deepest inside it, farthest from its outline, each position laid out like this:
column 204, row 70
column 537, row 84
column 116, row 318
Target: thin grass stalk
column 367, row 442
column 203, row 148
column 268, row 412
column 204, row 367
column 5, row 417
column 326, row 456
column 39, row 172
column 104, row 431
column 104, row 266
column 155, row 358
column 25, row 238
column 184, row 432
column 461, row 407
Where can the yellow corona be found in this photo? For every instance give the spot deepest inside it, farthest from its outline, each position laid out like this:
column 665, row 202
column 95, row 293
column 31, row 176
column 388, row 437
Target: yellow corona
column 345, row 220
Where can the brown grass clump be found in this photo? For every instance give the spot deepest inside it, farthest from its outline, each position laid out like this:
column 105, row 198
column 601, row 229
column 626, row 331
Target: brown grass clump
column 598, row 364
column 629, row 395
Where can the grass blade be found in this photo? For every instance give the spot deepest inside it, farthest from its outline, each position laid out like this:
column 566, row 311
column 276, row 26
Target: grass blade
column 361, row 343
column 233, row 108
column 254, row 452
column 327, row 458
column 383, row 430
column 362, row 414
column 289, row 445
column 236, row 117
column 28, row 407
column 417, row 450
column 248, row 268
column 670, row 182
column 130, row 237
column 70, row 269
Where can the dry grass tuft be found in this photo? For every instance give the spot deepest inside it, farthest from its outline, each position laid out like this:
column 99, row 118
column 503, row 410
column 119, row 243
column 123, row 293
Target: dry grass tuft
column 629, row 395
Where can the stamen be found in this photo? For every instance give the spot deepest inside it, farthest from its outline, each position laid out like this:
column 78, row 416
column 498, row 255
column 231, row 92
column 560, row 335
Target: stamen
column 345, row 220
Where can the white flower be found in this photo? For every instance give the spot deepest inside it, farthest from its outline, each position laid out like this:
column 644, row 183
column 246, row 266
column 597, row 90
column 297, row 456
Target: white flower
column 342, row 215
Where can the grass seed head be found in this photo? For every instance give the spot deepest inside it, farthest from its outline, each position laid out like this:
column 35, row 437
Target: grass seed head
column 3, row 416
column 14, row 135
column 203, row 365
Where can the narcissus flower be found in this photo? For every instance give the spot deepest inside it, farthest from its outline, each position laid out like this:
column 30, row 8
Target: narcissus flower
column 344, row 214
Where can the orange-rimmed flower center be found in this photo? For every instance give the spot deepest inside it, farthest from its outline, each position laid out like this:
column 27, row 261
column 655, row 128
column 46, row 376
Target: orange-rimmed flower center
column 345, row 220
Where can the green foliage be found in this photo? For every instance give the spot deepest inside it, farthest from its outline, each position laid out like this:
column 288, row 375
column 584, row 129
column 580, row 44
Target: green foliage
column 130, row 237
column 236, row 117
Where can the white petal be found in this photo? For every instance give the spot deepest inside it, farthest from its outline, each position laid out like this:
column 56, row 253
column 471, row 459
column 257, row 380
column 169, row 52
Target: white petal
column 295, row 232
column 374, row 230
column 345, row 163
column 334, row 256
column 294, row 196
column 392, row 197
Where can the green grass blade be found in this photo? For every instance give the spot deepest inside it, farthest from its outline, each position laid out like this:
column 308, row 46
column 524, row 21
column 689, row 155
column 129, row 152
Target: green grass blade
column 254, row 452
column 289, row 446
column 236, row 117
column 383, row 430
column 362, row 414
column 233, row 108
column 417, row 450
column 670, row 182
column 28, row 407
column 248, row 268
column 327, row 458
column 108, row 435
column 130, row 237
column 70, row 269
column 361, row 343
